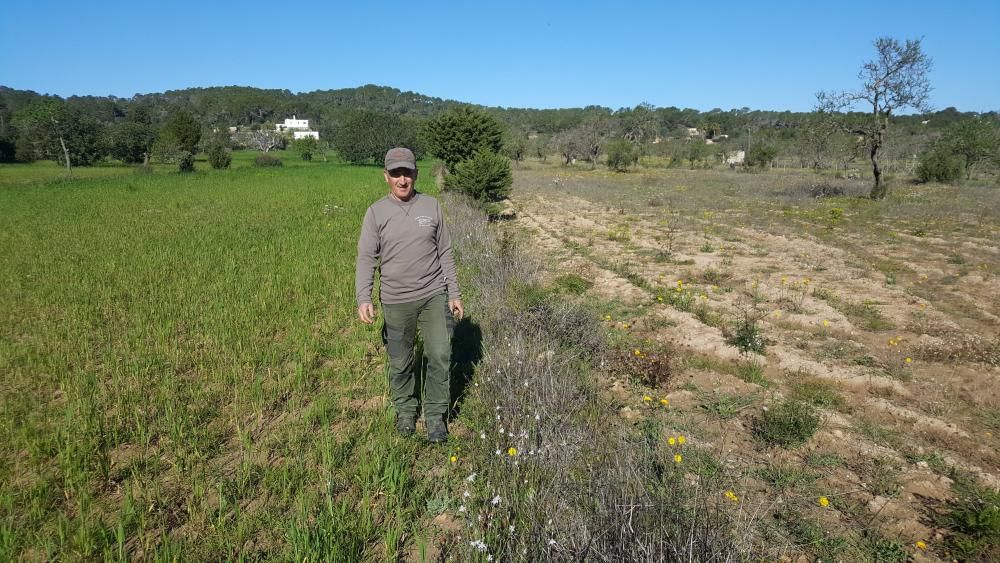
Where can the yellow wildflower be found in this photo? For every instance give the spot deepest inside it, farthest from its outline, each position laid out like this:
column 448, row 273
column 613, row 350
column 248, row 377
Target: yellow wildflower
column 671, row 440
column 664, row 402
column 909, row 360
column 681, row 439
column 512, row 451
column 646, row 398
column 921, row 544
column 637, row 352
column 732, row 496
column 823, row 501
column 826, row 322
column 678, row 458
column 454, row 459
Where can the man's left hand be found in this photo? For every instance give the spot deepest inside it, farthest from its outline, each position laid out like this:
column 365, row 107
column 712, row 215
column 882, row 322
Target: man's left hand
column 455, row 306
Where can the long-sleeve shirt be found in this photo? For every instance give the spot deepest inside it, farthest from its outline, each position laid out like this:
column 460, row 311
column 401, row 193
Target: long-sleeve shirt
column 409, row 243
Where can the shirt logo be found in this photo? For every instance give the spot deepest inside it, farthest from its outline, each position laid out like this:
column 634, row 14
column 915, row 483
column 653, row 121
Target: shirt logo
column 425, row 221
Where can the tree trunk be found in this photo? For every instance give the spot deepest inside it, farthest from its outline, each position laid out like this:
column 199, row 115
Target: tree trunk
column 65, row 154
column 879, row 190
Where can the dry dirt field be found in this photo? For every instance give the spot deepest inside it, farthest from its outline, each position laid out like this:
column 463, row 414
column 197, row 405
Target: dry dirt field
column 882, row 316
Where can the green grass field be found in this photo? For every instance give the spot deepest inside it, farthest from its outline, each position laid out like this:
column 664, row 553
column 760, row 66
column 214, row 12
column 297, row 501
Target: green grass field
column 183, row 375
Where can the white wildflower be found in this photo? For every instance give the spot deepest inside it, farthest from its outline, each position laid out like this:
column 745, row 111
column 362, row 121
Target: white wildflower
column 495, row 501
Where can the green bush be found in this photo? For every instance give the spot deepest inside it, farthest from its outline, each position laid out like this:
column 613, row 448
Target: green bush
column 456, row 135
column 485, row 177
column 788, row 424
column 974, row 522
column 265, row 159
column 219, row 156
column 621, row 155
column 365, row 136
column 939, row 165
column 185, row 162
column 761, row 155
column 306, row 147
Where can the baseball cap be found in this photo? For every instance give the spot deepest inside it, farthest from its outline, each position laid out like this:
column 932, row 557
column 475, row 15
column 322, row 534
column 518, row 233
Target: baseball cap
column 400, row 157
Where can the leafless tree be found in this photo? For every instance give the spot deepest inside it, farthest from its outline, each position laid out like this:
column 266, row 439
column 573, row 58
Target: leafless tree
column 895, row 79
column 265, row 140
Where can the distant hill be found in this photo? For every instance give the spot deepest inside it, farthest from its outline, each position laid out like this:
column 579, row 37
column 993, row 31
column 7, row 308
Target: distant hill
column 225, row 106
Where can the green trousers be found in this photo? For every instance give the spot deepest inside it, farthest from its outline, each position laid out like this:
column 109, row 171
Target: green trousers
column 399, row 332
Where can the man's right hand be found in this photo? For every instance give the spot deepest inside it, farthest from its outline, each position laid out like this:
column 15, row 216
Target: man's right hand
column 366, row 312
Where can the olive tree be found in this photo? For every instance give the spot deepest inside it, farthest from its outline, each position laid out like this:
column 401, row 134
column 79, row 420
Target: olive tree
column 894, row 80
column 975, row 140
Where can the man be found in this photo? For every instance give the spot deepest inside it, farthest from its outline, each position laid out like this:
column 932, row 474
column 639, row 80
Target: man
column 405, row 235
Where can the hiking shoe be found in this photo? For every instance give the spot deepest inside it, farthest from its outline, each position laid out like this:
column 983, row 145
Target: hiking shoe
column 437, row 430
column 437, row 436
column 406, row 425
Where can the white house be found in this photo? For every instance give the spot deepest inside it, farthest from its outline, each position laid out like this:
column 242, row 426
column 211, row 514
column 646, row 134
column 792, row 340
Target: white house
column 292, row 124
column 298, row 127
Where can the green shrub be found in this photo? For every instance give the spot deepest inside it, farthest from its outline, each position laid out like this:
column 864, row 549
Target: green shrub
column 974, row 523
column 572, row 283
column 938, row 165
column 457, row 134
column 363, row 137
column 485, row 177
column 306, row 147
column 185, row 162
column 265, row 159
column 747, row 335
column 761, row 155
column 621, row 155
column 788, row 424
column 219, row 156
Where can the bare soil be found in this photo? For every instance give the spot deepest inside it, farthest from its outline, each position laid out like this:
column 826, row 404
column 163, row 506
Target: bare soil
column 893, row 313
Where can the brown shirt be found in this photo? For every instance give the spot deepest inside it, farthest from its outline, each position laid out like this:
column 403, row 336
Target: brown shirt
column 409, row 243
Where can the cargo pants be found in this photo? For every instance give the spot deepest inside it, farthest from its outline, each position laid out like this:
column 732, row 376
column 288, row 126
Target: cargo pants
column 399, row 330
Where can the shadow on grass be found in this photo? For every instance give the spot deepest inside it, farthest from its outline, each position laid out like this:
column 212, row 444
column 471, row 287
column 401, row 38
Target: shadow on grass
column 466, row 351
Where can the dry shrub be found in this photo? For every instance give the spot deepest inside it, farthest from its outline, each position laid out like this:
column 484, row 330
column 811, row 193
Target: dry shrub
column 552, row 473
column 962, row 348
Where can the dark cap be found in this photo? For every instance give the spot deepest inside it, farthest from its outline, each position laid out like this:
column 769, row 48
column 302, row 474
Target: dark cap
column 400, row 157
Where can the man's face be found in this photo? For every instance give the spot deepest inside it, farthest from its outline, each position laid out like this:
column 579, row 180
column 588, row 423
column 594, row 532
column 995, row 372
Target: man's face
column 401, row 181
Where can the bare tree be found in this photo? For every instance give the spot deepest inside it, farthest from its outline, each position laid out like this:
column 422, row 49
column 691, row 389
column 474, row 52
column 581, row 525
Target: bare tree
column 894, row 80
column 265, row 139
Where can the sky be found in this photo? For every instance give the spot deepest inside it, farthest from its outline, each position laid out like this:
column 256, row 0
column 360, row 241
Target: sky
column 540, row 54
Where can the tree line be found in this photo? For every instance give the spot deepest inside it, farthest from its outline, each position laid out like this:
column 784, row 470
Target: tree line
column 844, row 129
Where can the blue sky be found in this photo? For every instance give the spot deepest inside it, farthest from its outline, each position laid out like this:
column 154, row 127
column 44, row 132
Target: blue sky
column 763, row 55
